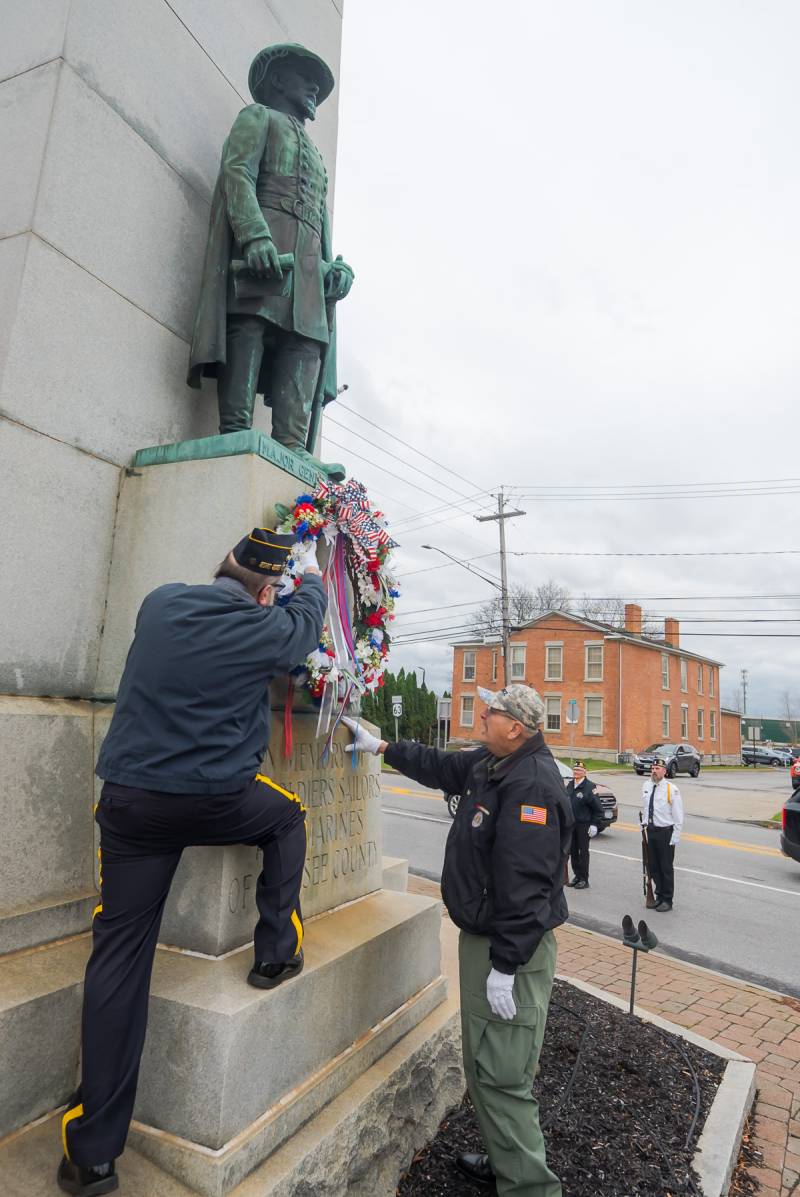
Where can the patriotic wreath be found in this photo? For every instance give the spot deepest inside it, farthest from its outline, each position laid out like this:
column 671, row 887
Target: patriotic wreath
column 353, row 648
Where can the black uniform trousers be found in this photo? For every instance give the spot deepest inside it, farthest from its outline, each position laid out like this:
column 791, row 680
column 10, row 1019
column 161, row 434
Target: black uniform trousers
column 579, row 851
column 142, row 834
column 661, row 857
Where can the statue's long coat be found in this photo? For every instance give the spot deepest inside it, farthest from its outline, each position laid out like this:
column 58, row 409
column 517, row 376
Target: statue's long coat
column 272, row 180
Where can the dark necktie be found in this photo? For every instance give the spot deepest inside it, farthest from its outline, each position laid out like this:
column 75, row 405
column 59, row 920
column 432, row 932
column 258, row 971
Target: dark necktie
column 652, row 804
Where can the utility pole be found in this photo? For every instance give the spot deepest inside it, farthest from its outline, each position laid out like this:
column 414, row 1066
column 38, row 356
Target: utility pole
column 501, row 517
column 745, row 676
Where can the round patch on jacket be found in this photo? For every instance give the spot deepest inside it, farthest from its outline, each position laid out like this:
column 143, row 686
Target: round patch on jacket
column 477, row 818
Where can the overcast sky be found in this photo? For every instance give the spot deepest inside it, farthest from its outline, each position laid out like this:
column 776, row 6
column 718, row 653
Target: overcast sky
column 575, row 233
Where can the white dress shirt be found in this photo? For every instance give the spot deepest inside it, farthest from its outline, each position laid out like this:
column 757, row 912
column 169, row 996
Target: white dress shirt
column 667, row 806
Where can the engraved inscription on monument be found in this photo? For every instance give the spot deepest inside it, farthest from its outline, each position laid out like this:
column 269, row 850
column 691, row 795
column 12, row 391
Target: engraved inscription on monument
column 342, row 805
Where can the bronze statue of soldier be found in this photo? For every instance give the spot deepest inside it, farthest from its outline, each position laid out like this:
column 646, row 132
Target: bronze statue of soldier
column 265, row 320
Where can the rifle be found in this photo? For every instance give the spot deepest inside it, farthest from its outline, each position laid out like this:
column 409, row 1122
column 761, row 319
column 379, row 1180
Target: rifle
column 647, row 884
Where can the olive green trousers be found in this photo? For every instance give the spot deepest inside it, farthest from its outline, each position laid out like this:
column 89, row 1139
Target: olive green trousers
column 500, row 1061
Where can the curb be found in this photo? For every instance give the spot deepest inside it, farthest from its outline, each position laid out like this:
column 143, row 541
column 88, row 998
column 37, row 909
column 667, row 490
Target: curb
column 718, row 1146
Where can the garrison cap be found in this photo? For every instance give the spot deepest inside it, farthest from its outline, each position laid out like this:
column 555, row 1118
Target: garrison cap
column 658, row 760
column 265, row 552
column 520, row 702
column 260, row 66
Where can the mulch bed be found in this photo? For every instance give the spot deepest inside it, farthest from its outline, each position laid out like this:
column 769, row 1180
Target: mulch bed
column 617, row 1105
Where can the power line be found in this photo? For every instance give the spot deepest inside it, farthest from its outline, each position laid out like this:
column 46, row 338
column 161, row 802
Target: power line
column 413, row 448
column 699, row 553
column 382, row 468
column 621, row 486
column 387, row 452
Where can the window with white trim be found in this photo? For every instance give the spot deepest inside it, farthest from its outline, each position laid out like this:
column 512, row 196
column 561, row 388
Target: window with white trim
column 593, row 662
column 699, row 679
column 554, row 662
column 593, row 716
column 467, row 710
column 701, row 723
column 684, row 675
column 552, row 709
column 665, row 720
column 494, row 664
column 469, row 665
column 665, row 671
column 684, row 721
column 711, row 691
column 712, row 724
column 517, row 662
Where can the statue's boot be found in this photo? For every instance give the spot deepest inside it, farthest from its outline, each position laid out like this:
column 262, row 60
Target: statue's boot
column 294, row 380
column 238, row 378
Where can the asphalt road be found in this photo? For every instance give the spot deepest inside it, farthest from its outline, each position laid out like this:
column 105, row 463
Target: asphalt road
column 737, row 898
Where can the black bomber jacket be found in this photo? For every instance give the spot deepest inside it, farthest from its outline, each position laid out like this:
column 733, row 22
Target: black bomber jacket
column 503, row 873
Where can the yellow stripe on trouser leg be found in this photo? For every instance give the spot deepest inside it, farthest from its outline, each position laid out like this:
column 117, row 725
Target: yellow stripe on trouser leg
column 286, row 793
column 298, row 926
column 98, row 908
column 75, row 1112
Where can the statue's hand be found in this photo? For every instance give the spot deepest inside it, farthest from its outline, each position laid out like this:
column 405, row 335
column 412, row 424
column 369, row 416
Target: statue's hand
column 261, row 257
column 338, row 279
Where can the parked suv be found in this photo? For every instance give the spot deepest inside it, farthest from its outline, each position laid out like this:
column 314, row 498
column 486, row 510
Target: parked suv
column 790, row 833
column 680, row 758
column 757, row 755
column 794, row 773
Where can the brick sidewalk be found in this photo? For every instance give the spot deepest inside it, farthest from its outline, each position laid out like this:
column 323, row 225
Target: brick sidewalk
column 758, row 1024
column 755, row 1022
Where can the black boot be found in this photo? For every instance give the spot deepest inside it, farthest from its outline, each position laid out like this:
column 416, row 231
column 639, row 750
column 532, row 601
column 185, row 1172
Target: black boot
column 476, row 1167
column 268, row 976
column 86, row 1182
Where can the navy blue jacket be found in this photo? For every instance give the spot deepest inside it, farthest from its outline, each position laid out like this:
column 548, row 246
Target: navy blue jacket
column 503, row 873
column 192, row 713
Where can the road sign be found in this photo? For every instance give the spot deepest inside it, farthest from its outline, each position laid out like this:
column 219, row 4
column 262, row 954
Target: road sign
column 397, row 698
column 397, row 709
column 573, row 712
column 444, row 708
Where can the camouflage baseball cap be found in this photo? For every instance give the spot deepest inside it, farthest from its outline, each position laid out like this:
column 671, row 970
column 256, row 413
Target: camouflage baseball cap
column 520, row 702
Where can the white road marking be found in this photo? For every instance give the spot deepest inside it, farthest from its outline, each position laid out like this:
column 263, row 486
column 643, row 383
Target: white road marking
column 404, row 814
column 793, row 893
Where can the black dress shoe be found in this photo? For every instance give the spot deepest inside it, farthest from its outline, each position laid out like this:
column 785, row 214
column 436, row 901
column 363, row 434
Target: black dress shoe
column 267, row 976
column 476, row 1167
column 581, row 884
column 86, row 1182
column 663, row 906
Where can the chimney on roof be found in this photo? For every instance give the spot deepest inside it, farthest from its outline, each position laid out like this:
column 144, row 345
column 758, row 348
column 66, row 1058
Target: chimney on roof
column 633, row 618
column 672, row 632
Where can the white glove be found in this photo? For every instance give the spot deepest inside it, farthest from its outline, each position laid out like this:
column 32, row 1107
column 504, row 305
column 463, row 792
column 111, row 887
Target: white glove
column 674, row 839
column 500, row 994
column 304, row 554
column 363, row 740
column 592, row 831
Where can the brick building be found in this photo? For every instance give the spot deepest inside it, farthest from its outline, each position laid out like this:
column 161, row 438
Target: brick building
column 631, row 690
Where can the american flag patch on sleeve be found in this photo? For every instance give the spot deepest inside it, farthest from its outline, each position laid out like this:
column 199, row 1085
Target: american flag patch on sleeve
column 533, row 814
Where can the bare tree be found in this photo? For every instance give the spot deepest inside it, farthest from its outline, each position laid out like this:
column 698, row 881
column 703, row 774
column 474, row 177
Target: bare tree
column 524, row 604
column 609, row 610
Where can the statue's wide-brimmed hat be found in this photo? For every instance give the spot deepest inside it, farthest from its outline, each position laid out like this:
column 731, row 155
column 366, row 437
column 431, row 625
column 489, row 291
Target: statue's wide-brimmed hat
column 259, row 69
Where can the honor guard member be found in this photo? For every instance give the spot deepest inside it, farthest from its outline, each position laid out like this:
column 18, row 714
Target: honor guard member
column 587, row 810
column 181, row 766
column 662, row 815
column 503, row 886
